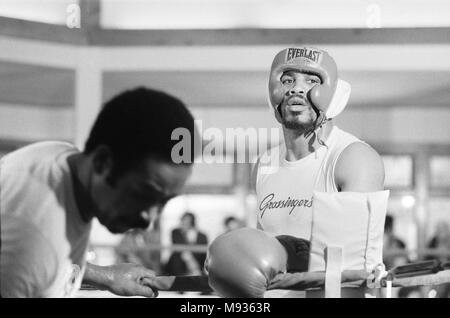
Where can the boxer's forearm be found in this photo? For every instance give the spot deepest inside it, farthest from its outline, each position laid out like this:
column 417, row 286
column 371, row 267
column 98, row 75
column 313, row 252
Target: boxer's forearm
column 97, row 276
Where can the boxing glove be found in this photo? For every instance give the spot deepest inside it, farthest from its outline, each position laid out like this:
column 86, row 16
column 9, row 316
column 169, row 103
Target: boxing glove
column 241, row 263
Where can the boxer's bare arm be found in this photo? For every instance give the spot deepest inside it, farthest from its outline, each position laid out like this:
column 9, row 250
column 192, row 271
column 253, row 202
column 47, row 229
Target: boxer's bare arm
column 359, row 169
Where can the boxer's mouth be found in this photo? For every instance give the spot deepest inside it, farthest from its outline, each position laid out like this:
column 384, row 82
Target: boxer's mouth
column 296, row 104
column 296, row 108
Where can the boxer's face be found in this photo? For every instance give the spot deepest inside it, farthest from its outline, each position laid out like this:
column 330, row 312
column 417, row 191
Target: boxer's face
column 186, row 222
column 128, row 202
column 296, row 109
column 233, row 225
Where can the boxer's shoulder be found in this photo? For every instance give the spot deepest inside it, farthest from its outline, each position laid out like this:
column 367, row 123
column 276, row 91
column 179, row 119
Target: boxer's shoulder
column 359, row 168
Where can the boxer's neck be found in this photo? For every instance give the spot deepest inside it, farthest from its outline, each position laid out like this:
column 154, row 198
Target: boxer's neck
column 81, row 170
column 299, row 146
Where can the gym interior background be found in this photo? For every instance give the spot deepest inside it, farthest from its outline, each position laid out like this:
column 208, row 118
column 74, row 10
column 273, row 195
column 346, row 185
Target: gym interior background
column 61, row 59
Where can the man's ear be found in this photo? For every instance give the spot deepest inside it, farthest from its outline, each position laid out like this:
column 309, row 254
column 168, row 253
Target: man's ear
column 102, row 160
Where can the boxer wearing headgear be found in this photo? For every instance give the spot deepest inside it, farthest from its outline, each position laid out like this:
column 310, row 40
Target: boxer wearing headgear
column 328, row 96
column 317, row 158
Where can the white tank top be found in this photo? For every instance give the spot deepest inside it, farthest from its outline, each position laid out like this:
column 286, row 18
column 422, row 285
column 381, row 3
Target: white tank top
column 285, row 188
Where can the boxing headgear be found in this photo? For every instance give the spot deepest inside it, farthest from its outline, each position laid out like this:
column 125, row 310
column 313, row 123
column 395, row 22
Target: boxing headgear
column 328, row 98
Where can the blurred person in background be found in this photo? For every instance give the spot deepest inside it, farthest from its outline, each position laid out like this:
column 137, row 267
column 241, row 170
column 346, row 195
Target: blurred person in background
column 187, row 262
column 395, row 254
column 232, row 223
column 440, row 244
column 394, row 249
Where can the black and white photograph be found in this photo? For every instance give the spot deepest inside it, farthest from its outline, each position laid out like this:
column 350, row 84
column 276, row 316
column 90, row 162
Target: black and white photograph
column 224, row 153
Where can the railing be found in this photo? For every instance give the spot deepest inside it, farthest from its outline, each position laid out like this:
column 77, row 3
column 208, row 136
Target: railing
column 419, row 252
column 439, row 252
column 156, row 247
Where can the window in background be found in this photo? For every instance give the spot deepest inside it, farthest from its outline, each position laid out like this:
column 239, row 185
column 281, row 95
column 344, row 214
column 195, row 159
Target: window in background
column 405, row 226
column 439, row 212
column 399, row 171
column 438, row 229
column 440, row 171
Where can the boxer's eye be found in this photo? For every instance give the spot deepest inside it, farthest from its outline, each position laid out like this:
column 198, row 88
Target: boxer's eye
column 313, row 80
column 287, row 80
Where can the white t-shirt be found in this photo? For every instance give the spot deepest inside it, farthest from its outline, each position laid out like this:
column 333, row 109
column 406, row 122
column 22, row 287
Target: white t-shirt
column 284, row 188
column 43, row 238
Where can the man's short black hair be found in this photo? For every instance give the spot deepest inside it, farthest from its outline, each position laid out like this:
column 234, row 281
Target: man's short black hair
column 230, row 219
column 191, row 217
column 139, row 123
